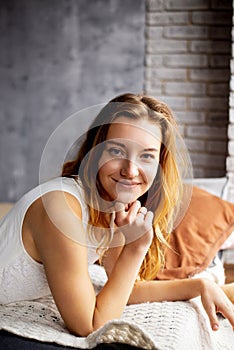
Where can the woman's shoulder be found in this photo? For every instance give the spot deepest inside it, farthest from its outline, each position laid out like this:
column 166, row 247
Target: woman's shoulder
column 55, row 211
column 62, row 184
column 65, row 184
column 59, row 191
column 59, row 195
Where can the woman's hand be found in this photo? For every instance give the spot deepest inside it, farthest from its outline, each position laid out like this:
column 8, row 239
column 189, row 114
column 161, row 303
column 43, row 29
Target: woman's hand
column 215, row 300
column 135, row 222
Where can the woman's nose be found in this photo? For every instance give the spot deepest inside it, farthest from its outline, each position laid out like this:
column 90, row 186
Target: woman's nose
column 129, row 169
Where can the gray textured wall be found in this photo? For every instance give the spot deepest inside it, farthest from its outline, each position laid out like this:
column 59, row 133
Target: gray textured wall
column 58, row 57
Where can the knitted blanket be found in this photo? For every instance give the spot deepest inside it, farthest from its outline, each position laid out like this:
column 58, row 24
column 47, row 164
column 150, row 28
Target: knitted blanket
column 165, row 325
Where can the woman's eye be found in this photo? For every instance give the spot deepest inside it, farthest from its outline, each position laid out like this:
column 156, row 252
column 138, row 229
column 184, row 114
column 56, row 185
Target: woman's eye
column 148, row 156
column 115, row 152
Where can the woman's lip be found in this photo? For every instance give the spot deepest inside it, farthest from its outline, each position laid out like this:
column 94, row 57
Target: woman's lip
column 127, row 183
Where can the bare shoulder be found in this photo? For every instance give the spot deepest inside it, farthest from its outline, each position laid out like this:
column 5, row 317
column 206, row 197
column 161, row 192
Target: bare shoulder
column 54, row 208
column 53, row 219
column 55, row 202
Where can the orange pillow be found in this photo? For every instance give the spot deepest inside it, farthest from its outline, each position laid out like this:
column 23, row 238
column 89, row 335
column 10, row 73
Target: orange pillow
column 207, row 223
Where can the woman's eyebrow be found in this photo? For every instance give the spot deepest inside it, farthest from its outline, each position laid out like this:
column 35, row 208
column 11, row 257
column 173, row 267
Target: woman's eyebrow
column 151, row 149
column 116, row 143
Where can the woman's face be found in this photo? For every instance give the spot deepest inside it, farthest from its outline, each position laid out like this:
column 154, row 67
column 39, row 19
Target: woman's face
column 129, row 161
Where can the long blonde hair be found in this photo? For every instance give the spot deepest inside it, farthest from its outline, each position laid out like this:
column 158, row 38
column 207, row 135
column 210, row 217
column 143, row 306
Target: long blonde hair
column 166, row 191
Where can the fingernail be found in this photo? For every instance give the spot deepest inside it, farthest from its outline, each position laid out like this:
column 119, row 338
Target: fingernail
column 215, row 327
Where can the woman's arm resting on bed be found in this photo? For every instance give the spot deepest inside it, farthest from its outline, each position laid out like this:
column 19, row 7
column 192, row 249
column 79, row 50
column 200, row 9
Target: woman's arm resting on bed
column 212, row 296
column 65, row 263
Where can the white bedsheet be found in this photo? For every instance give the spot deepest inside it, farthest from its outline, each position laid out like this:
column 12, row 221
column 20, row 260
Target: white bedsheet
column 164, row 326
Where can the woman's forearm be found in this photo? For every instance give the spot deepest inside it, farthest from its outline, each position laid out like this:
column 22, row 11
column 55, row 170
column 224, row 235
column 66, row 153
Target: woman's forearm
column 122, row 287
column 185, row 289
column 114, row 296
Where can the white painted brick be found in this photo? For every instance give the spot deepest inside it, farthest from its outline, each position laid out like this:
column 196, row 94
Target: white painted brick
column 210, row 46
column 231, row 148
column 232, row 64
column 215, row 172
column 155, row 33
column 231, row 115
column 209, row 103
column 195, row 145
column 218, row 89
column 154, row 5
column 217, row 118
column 186, row 60
column 165, row 73
column 209, row 74
column 166, row 46
column 230, row 164
column 231, row 131
column 154, row 87
column 181, row 129
column 186, row 32
column 165, row 18
column 207, row 132
column 232, row 83
column 185, row 88
column 218, row 147
column 186, row 5
column 231, row 99
column 206, row 172
column 191, row 117
column 203, row 159
column 174, row 102
column 230, row 178
column 199, row 172
column 153, row 60
column 218, row 61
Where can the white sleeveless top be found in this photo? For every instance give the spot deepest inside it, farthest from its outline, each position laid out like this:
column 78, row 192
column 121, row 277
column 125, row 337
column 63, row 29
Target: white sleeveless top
column 21, row 277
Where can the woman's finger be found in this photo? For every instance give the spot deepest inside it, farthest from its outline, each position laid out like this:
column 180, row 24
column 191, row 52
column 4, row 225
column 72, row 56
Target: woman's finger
column 142, row 211
column 228, row 312
column 211, row 312
column 134, row 209
column 149, row 217
column 213, row 319
column 128, row 213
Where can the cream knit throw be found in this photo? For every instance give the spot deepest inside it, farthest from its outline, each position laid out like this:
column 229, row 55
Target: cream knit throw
column 164, row 326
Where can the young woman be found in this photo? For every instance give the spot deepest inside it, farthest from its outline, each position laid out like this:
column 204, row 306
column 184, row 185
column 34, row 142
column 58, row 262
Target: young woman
column 117, row 202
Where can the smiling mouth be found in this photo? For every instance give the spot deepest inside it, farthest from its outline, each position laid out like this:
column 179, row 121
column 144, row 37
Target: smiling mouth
column 126, row 183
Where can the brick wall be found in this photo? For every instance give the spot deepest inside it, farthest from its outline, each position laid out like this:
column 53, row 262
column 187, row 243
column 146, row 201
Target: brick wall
column 187, row 65
column 230, row 158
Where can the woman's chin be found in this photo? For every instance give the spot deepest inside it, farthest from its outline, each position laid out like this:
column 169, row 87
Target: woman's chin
column 126, row 198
